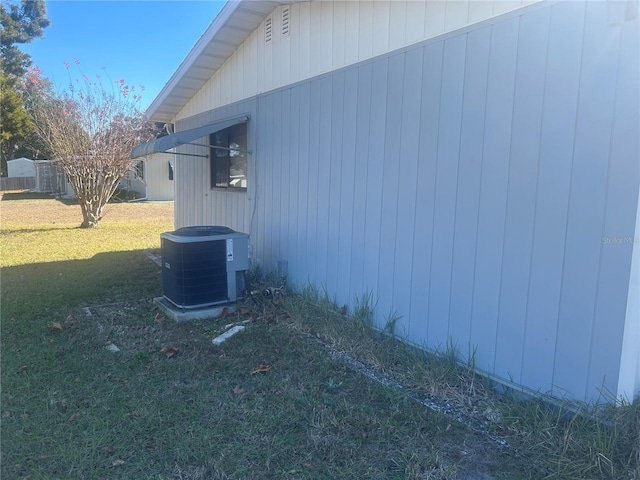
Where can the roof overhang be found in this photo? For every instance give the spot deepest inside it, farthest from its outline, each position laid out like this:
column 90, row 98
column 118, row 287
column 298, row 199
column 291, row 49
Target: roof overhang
column 231, row 27
column 184, row 137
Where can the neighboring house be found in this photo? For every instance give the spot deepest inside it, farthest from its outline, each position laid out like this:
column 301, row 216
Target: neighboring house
column 151, row 178
column 473, row 165
column 21, row 167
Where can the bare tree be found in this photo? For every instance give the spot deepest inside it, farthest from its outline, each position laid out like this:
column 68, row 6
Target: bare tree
column 91, row 129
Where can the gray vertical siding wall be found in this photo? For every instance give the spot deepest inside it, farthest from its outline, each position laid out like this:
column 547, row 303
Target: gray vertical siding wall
column 471, row 183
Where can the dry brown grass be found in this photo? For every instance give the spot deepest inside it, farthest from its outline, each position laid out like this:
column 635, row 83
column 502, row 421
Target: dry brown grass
column 30, row 221
column 42, row 210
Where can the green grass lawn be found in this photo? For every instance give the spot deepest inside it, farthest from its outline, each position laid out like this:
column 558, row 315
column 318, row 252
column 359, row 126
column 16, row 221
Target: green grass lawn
column 271, row 402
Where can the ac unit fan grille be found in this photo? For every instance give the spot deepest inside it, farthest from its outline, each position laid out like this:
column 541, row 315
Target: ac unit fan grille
column 194, row 273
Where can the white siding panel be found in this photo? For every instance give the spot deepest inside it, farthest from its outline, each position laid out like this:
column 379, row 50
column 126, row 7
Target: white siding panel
column 381, row 26
column 504, row 6
column 390, row 178
column 323, row 224
column 260, row 59
column 237, row 75
column 284, row 54
column 352, row 33
column 446, row 186
column 226, row 81
column 323, row 37
column 276, row 225
column 314, row 188
column 348, row 172
column 291, row 183
column 414, row 25
column 479, row 10
column 268, row 65
column 435, row 18
column 365, row 30
column 521, row 193
column 277, row 52
column 263, row 180
column 299, row 269
column 456, row 15
column 397, row 25
column 315, row 40
column 338, row 35
column 427, row 164
column 304, row 40
column 493, row 193
column 295, row 45
column 334, row 186
column 358, row 280
column 552, row 197
column 587, row 201
column 468, row 192
column 286, row 239
column 375, row 176
column 250, row 67
column 216, row 96
column 407, row 187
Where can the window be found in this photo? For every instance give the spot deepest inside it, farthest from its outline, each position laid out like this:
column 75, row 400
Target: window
column 138, row 170
column 229, row 157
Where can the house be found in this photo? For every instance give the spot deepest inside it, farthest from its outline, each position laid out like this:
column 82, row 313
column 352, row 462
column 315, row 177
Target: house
column 151, row 178
column 21, row 167
column 474, row 165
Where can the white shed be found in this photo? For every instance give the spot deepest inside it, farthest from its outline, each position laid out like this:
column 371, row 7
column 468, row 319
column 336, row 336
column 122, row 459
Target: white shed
column 471, row 164
column 21, row 167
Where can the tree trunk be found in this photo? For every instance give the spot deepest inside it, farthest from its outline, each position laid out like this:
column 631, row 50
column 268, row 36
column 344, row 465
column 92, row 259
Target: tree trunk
column 93, row 194
column 91, row 214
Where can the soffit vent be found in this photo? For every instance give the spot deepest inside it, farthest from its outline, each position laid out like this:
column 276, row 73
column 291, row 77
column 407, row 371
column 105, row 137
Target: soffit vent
column 268, row 30
column 285, row 20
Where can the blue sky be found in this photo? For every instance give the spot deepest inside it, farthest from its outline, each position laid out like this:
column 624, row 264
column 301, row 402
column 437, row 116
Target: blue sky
column 142, row 42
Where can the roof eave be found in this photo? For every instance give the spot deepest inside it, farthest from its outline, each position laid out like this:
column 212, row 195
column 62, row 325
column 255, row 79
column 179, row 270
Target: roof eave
column 235, row 22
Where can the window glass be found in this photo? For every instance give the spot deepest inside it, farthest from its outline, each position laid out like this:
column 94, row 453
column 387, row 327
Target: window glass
column 229, row 162
column 138, row 170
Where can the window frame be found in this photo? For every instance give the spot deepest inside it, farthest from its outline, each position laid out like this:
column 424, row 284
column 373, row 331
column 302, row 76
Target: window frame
column 217, row 155
column 139, row 169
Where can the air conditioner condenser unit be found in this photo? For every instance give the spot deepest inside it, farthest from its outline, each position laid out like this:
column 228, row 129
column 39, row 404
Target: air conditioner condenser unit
column 203, row 265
